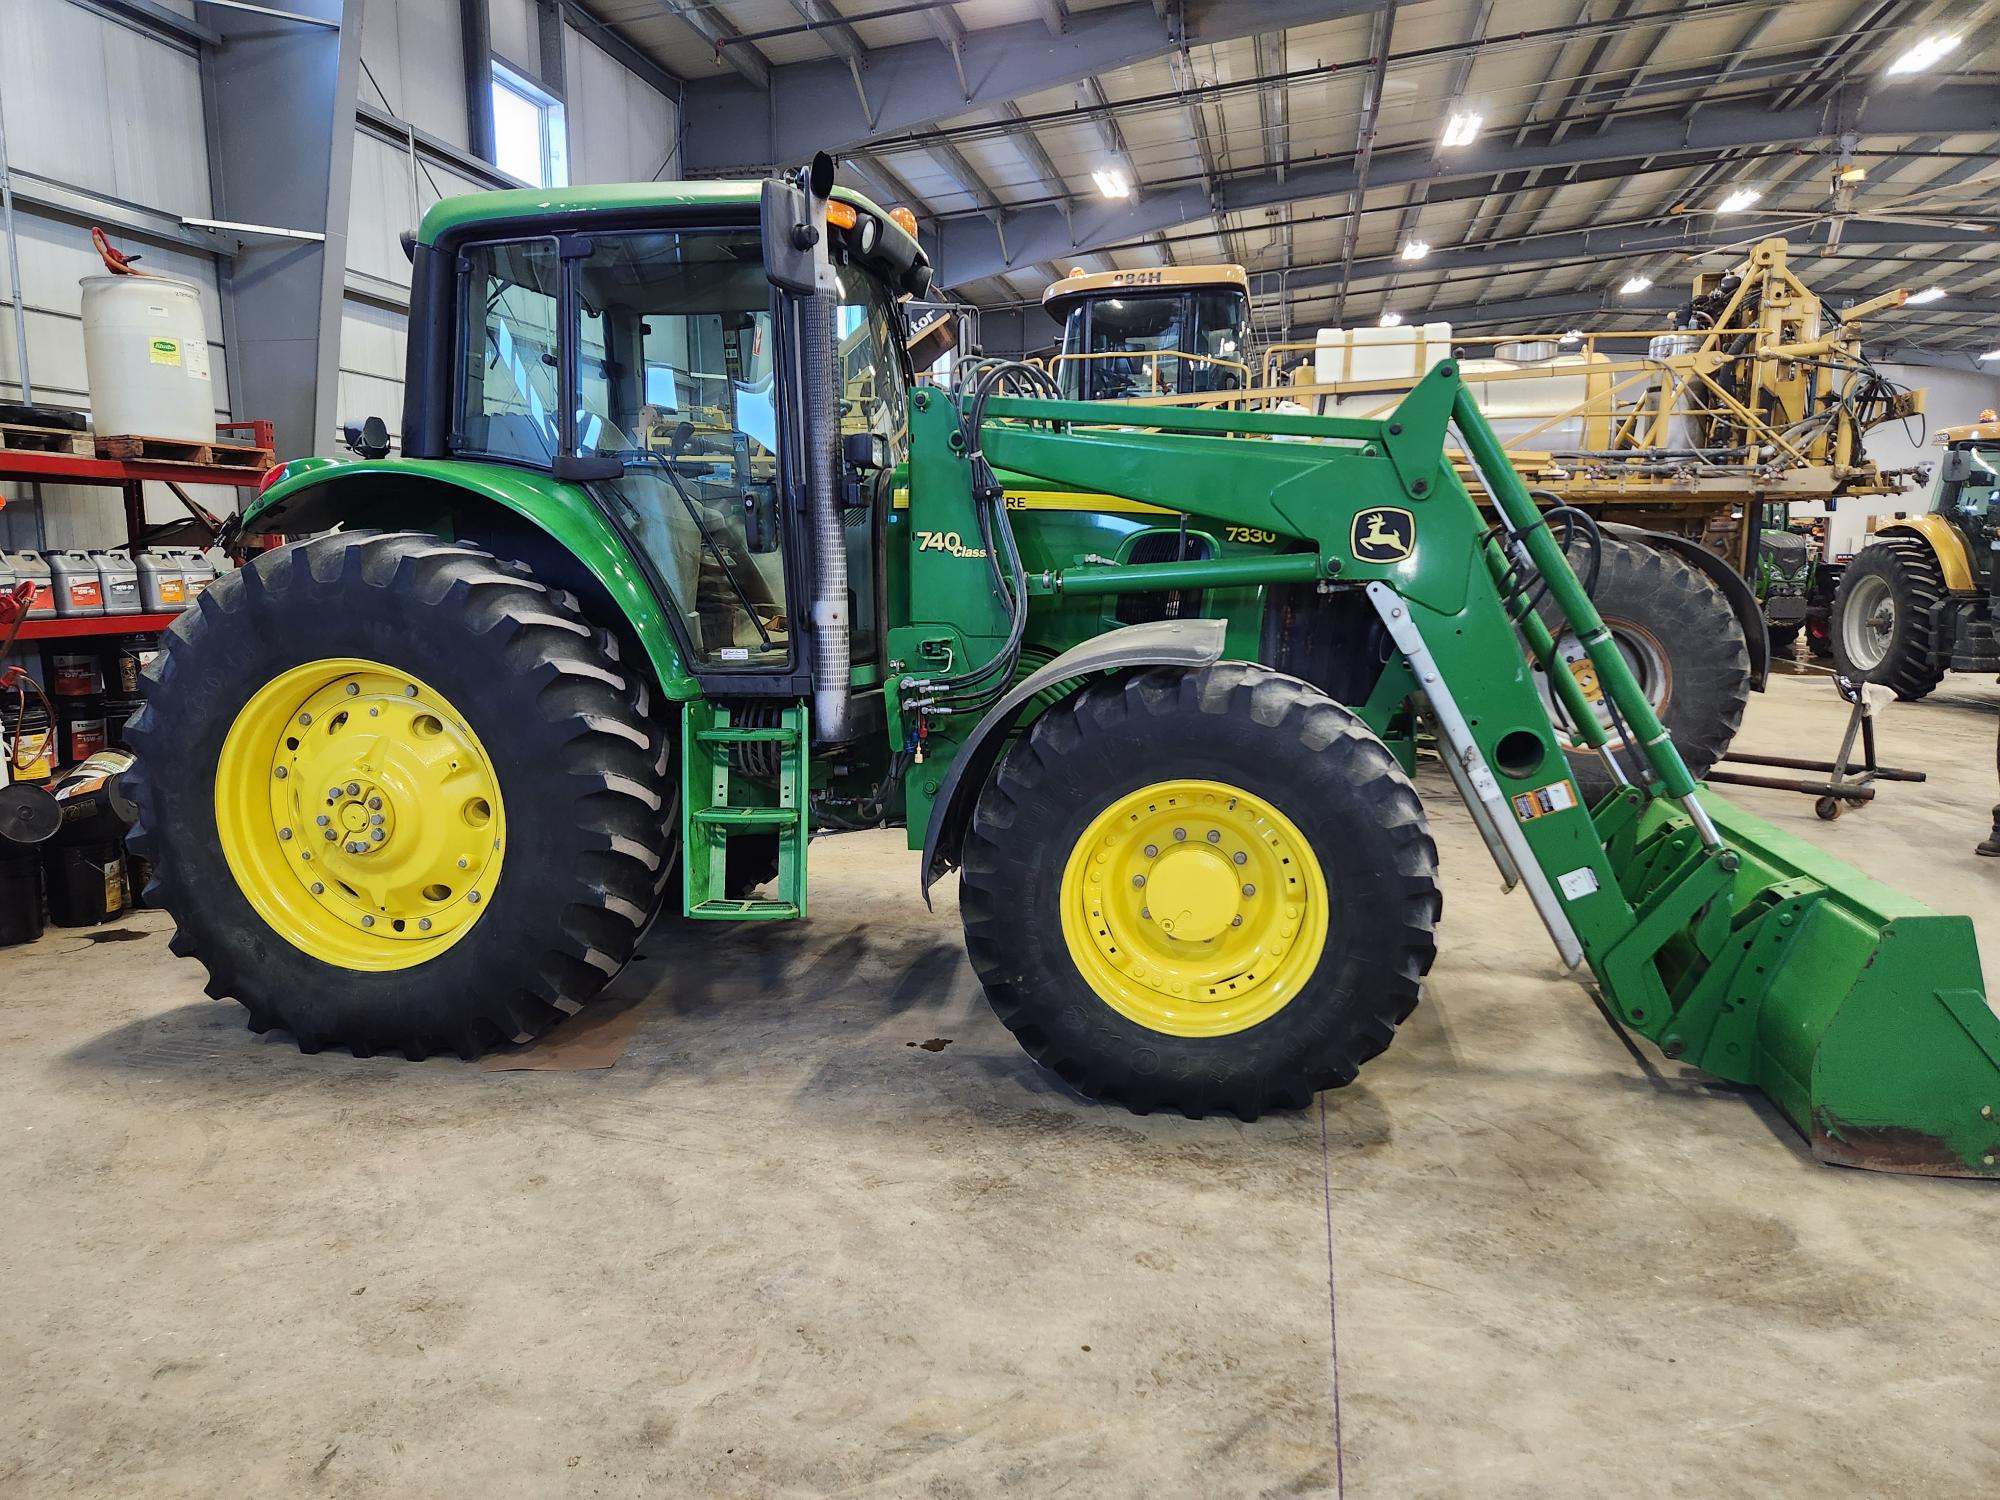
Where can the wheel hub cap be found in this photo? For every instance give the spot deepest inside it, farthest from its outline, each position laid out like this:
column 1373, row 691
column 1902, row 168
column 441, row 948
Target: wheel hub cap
column 359, row 813
column 1194, row 908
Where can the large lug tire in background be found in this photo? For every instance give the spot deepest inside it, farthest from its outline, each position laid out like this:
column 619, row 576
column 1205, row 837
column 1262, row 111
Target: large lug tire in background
column 1204, row 891
column 399, row 796
column 1682, row 640
column 1885, row 617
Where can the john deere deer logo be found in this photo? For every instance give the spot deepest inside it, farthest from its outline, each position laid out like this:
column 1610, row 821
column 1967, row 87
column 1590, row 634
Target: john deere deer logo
column 1383, row 534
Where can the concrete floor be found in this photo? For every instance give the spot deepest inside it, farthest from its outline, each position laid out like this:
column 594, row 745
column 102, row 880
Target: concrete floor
column 781, row 1251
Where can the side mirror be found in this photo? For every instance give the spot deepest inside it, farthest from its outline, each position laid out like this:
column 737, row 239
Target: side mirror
column 792, row 217
column 1956, row 466
column 760, row 520
column 865, row 451
column 369, row 438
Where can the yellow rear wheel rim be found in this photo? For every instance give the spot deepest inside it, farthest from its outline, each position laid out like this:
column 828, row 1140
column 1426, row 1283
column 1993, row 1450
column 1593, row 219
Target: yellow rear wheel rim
column 360, row 814
column 1194, row 908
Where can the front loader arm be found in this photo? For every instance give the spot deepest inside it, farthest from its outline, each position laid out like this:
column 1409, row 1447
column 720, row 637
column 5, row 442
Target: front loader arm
column 1740, row 953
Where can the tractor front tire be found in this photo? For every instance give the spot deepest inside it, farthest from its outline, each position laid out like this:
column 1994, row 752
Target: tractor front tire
column 1204, row 890
column 1885, row 617
column 1677, row 632
column 398, row 796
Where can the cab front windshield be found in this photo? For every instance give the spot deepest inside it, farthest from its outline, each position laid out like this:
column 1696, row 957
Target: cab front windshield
column 1970, row 497
column 1176, row 343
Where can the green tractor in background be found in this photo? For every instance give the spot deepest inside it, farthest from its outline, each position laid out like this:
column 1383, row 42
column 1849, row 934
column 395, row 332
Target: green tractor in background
column 678, row 568
column 1787, row 565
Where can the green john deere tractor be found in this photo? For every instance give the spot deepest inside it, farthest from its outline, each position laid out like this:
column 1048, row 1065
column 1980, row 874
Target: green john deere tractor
column 1786, row 568
column 677, row 567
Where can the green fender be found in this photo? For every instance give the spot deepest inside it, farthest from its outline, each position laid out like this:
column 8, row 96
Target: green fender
column 318, row 494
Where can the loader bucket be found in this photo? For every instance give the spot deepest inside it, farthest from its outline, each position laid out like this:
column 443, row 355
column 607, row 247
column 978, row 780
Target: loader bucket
column 1860, row 1012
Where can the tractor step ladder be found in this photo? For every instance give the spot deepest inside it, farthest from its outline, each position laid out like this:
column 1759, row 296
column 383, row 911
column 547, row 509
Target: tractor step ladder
column 728, row 791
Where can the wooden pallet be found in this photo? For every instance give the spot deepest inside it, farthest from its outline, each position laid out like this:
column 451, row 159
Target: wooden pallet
column 45, row 439
column 216, row 453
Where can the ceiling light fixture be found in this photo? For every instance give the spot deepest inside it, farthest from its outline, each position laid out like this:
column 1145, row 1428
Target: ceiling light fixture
column 1928, row 294
column 1739, row 200
column 1634, row 284
column 1923, row 55
column 1416, row 250
column 1112, row 183
column 1852, row 172
column 1389, row 320
column 1991, row 354
column 1461, row 129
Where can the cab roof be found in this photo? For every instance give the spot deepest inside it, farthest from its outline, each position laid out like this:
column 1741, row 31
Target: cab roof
column 470, row 210
column 1986, row 430
column 1062, row 295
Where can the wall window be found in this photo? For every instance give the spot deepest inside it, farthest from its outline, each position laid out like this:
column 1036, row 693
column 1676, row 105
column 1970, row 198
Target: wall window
column 529, row 139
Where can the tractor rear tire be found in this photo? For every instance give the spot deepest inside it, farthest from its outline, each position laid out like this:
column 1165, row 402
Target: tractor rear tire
column 496, row 868
column 1885, row 617
column 1678, row 633
column 1214, row 782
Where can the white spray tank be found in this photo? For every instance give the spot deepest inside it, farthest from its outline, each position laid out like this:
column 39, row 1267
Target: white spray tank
column 145, row 348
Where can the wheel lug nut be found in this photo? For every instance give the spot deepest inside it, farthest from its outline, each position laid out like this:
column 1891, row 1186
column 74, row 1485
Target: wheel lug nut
column 331, row 835
column 378, row 835
column 1249, row 890
column 1180, row 834
column 463, row 864
column 410, row 691
column 374, row 804
column 1240, row 857
column 353, row 688
column 333, row 794
column 1152, row 851
column 1237, row 920
column 473, row 897
column 376, row 819
column 318, row 889
column 1146, row 912
column 284, row 833
column 1138, row 880
column 322, row 820
column 281, row 773
column 305, row 719
column 354, row 789
column 367, row 921
column 1215, row 835
column 423, row 924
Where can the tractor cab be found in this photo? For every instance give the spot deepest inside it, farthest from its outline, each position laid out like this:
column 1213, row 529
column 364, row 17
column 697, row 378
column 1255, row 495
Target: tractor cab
column 1967, row 476
column 1171, row 330
column 656, row 354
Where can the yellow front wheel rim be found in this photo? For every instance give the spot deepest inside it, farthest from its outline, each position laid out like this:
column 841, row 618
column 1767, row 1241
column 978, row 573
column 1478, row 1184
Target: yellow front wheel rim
column 1194, row 908
column 360, row 814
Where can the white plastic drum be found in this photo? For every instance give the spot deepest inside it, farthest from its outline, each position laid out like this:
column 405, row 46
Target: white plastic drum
column 145, row 345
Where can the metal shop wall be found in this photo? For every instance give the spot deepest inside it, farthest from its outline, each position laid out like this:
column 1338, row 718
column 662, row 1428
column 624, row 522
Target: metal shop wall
column 413, row 146
column 103, row 122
